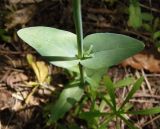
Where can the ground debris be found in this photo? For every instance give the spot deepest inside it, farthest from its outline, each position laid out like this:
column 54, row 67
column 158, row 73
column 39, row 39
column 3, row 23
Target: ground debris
column 145, row 61
column 24, row 1
column 20, row 17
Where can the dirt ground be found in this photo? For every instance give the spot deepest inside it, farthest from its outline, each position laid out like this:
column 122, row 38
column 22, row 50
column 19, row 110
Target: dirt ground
column 98, row 16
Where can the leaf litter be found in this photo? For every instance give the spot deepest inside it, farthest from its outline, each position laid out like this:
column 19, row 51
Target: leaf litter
column 27, row 15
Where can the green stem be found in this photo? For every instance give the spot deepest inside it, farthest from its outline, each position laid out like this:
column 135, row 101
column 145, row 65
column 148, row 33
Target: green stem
column 81, row 75
column 78, row 25
column 79, row 31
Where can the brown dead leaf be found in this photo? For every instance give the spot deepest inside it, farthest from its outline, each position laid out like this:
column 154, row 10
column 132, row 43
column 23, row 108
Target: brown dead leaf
column 145, row 61
column 39, row 67
column 6, row 99
column 15, row 77
column 20, row 17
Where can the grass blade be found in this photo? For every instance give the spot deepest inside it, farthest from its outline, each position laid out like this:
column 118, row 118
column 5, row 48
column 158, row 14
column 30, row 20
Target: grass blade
column 135, row 87
column 150, row 111
column 125, row 82
column 110, row 87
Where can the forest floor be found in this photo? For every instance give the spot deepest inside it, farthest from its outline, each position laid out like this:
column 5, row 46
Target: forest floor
column 98, row 16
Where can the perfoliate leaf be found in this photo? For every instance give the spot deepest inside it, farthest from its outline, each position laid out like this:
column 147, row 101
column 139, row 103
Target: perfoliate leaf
column 109, row 49
column 51, row 42
column 67, row 99
column 60, row 47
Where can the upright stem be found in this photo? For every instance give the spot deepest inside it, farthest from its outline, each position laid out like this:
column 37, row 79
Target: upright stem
column 78, row 24
column 79, row 31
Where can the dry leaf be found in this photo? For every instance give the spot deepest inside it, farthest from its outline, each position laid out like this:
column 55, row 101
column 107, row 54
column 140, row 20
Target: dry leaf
column 40, row 69
column 43, row 71
column 20, row 17
column 6, row 99
column 16, row 77
column 145, row 61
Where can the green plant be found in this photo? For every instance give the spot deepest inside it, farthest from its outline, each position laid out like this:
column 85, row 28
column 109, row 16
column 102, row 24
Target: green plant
column 4, row 36
column 89, row 57
column 97, row 117
column 136, row 17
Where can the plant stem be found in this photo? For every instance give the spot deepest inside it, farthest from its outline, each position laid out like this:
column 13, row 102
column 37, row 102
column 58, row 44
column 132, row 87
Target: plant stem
column 81, row 75
column 79, row 31
column 78, row 24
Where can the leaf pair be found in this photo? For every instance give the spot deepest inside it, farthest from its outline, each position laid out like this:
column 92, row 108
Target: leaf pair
column 60, row 47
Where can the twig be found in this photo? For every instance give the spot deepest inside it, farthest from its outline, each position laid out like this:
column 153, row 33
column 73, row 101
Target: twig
column 147, row 82
column 149, row 8
column 101, row 10
column 144, row 101
column 155, row 118
column 146, row 95
column 30, row 94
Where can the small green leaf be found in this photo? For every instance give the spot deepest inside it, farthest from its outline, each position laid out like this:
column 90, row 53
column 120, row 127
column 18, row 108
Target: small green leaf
column 110, row 87
column 92, row 114
column 68, row 97
column 93, row 76
column 151, row 111
column 52, row 42
column 4, row 36
column 109, row 49
column 147, row 16
column 135, row 16
column 125, row 82
column 108, row 102
column 135, row 87
column 156, row 35
column 148, row 27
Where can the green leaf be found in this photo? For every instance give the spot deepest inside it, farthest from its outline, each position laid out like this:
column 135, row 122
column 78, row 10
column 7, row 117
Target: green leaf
column 109, row 49
column 110, row 87
column 92, row 114
column 68, row 98
column 147, row 16
column 125, row 82
column 135, row 87
column 93, row 76
column 135, row 16
column 156, row 35
column 151, row 111
column 108, row 102
column 52, row 42
column 4, row 36
column 106, row 122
